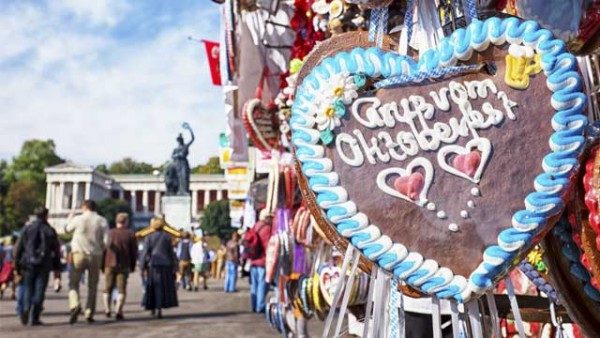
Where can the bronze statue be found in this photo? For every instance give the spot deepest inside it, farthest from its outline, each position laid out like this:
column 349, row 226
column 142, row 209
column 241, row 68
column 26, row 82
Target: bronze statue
column 177, row 173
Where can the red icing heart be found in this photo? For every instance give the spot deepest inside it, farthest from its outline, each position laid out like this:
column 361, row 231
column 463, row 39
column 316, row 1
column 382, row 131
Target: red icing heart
column 410, row 186
column 468, row 163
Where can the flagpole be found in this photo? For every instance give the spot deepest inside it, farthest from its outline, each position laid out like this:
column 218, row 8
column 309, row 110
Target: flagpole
column 195, row 40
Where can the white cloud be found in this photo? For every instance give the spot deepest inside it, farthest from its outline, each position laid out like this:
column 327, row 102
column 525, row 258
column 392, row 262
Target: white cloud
column 101, row 99
column 95, row 12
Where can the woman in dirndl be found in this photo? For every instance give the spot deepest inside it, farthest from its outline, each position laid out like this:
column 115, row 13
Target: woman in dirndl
column 159, row 263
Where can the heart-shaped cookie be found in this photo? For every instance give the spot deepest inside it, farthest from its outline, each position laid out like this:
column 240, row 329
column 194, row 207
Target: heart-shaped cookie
column 477, row 139
column 329, row 277
column 262, row 125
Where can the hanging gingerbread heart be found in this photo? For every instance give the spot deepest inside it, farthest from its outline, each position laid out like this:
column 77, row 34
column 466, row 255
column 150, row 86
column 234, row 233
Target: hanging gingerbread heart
column 424, row 165
column 262, row 124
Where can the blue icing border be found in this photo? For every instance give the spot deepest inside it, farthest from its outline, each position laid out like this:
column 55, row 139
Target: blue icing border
column 566, row 144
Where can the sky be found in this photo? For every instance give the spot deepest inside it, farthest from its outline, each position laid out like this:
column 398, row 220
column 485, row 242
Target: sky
column 108, row 79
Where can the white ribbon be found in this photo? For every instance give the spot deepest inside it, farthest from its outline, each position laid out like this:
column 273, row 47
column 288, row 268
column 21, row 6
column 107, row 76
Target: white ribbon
column 370, row 301
column 338, row 290
column 493, row 313
column 436, row 317
column 474, row 318
column 347, row 293
column 515, row 307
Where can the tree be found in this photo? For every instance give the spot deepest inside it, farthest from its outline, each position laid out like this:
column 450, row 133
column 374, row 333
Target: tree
column 216, row 220
column 211, row 167
column 109, row 208
column 29, row 165
column 102, row 168
column 21, row 198
column 129, row 166
column 23, row 182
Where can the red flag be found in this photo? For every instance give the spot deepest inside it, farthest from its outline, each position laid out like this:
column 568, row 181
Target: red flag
column 212, row 52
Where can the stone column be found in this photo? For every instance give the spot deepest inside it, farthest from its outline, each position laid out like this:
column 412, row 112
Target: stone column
column 219, row 195
column 194, row 202
column 61, row 196
column 75, row 196
column 157, row 202
column 88, row 190
column 145, row 201
column 206, row 197
column 121, row 194
column 49, row 196
column 133, row 201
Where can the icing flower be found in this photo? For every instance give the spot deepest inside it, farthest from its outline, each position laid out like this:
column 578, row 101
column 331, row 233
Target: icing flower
column 326, row 136
column 360, row 80
column 328, row 119
column 342, row 86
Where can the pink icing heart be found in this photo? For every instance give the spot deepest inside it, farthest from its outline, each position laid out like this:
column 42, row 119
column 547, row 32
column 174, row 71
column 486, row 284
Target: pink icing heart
column 468, row 163
column 410, row 186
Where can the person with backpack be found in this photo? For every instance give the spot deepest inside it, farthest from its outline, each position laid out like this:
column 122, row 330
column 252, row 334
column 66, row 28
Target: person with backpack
column 255, row 243
column 36, row 255
column 90, row 238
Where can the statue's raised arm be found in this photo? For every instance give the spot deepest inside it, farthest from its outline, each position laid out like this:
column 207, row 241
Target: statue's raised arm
column 187, row 126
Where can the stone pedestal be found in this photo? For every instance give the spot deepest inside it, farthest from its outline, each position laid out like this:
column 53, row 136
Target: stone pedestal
column 178, row 211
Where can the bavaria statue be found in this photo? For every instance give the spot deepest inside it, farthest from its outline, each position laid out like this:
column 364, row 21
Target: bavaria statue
column 177, row 173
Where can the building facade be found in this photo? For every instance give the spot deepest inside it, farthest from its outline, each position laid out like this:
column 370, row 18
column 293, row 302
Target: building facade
column 69, row 184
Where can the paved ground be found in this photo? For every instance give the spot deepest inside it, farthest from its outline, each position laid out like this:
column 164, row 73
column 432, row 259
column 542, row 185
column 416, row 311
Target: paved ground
column 210, row 313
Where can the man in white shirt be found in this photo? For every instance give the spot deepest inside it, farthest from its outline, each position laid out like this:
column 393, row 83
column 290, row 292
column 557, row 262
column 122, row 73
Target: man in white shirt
column 90, row 237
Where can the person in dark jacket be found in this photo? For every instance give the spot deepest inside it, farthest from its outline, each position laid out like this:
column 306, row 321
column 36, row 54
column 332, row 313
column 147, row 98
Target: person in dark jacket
column 120, row 258
column 159, row 262
column 36, row 255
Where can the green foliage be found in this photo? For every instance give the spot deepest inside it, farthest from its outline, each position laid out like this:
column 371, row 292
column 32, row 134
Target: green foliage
column 23, row 182
column 216, row 220
column 102, row 168
column 21, row 198
column 109, row 208
column 126, row 166
column 211, row 167
column 35, row 156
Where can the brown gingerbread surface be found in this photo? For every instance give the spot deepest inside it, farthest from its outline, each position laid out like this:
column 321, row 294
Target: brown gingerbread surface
column 517, row 151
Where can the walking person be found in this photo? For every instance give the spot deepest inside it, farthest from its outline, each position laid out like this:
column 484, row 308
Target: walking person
column 7, row 268
column 159, row 262
column 90, row 238
column 36, row 255
column 255, row 249
column 232, row 259
column 184, row 248
column 120, row 259
column 201, row 264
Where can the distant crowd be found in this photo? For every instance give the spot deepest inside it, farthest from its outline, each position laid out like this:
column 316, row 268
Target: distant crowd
column 166, row 263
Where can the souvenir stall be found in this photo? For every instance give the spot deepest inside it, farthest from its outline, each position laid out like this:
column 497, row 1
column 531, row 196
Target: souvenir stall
column 431, row 157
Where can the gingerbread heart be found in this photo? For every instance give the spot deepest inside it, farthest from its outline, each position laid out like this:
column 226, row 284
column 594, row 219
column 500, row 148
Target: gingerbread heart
column 428, row 177
column 329, row 278
column 262, row 125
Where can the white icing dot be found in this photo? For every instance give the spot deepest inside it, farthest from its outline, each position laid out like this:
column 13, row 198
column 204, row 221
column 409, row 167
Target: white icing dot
column 441, row 214
column 471, row 204
column 464, row 214
column 430, row 206
column 453, row 227
column 475, row 192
